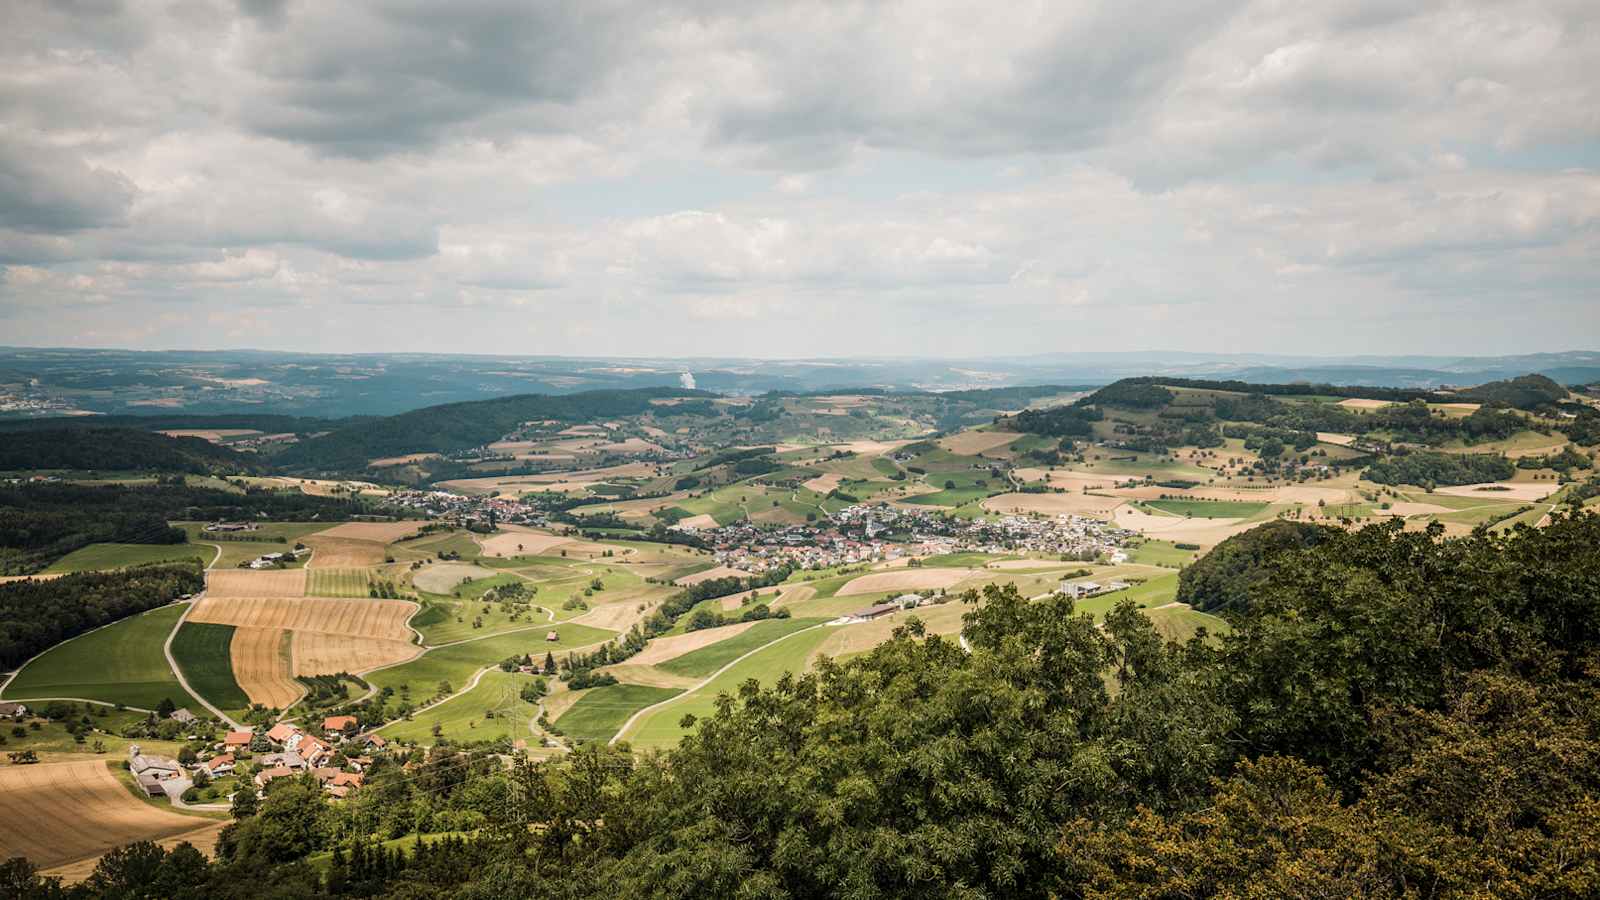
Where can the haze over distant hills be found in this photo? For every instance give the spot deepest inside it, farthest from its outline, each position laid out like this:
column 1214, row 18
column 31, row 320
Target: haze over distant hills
column 50, row 382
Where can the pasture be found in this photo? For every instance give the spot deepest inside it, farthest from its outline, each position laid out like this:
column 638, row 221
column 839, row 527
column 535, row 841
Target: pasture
column 115, row 556
column 492, row 710
column 202, row 651
column 661, row 729
column 120, row 663
column 708, row 659
column 61, row 813
column 601, row 711
column 1208, row 509
column 419, row 678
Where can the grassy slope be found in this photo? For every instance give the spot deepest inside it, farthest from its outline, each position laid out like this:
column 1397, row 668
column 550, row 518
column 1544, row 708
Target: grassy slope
column 661, row 729
column 115, row 556
column 600, row 712
column 121, row 663
column 713, row 657
column 202, row 652
column 457, row 662
column 463, row 718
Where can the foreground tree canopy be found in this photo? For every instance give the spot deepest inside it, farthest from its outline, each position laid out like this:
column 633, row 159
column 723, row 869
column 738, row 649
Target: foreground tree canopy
column 1391, row 715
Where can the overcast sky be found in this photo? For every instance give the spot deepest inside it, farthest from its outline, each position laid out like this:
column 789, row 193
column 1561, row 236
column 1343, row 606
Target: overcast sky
column 606, row 177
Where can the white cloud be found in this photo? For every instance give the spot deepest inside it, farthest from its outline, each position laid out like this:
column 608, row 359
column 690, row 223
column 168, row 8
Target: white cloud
column 840, row 177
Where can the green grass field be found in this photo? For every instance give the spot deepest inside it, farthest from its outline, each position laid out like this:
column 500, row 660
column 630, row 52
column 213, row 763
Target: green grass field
column 121, row 663
column 202, row 652
column 115, row 556
column 1179, row 623
column 338, row 582
column 456, row 663
column 236, row 552
column 1161, row 553
column 599, row 713
column 492, row 710
column 1155, row 592
column 711, row 658
column 661, row 729
column 1207, row 509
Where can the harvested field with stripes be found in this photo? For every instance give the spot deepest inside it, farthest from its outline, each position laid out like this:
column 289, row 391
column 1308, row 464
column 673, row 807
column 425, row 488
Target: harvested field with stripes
column 358, row 618
column 78, row 810
column 664, row 648
column 321, row 653
column 261, row 666
column 245, row 583
column 521, row 542
column 339, row 582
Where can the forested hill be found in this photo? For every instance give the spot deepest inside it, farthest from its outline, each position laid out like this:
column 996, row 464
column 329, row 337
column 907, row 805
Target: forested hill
column 118, row 449
column 461, row 426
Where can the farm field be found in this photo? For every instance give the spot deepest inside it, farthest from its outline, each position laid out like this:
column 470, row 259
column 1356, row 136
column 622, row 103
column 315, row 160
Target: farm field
column 456, row 663
column 601, row 711
column 1179, row 623
column 236, row 552
column 1161, row 553
column 1208, row 509
column 661, row 729
column 329, row 552
column 116, row 556
column 381, row 532
column 359, row 618
column 58, row 800
column 265, row 583
column 202, row 651
column 339, row 582
column 262, row 663
column 919, row 579
column 708, row 659
column 120, row 663
column 445, row 578
column 492, row 710
column 322, row 653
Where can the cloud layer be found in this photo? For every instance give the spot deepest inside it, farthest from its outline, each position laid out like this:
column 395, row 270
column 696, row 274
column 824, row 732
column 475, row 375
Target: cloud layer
column 835, row 178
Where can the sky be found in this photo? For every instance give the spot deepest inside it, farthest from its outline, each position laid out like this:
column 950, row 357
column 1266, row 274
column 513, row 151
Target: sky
column 779, row 179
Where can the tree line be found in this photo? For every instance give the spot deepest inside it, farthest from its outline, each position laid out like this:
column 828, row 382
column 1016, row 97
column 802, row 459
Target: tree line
column 36, row 614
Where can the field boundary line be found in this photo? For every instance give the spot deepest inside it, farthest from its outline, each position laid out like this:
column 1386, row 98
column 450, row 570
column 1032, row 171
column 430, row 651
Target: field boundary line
column 708, row 679
column 172, row 663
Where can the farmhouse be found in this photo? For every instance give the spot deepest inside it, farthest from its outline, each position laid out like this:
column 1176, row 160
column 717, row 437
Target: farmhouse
column 155, row 766
column 287, row 760
column 182, row 715
column 265, row 776
column 374, row 741
column 12, row 710
column 313, row 749
column 906, row 601
column 1077, row 589
column 874, row 612
column 282, row 733
column 236, row 740
column 218, row 765
column 338, row 724
column 231, row 526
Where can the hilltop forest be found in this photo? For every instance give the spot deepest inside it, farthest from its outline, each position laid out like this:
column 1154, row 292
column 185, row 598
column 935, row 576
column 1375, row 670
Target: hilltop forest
column 1391, row 715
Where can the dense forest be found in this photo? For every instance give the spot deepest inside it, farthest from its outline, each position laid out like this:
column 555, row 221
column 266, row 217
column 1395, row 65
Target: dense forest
column 267, row 423
column 1392, row 715
column 461, row 426
column 1224, row 579
column 36, row 614
column 119, row 449
column 1527, row 392
column 42, row 522
column 1429, row 469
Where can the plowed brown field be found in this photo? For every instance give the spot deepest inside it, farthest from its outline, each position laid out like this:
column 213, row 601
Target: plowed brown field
column 60, row 813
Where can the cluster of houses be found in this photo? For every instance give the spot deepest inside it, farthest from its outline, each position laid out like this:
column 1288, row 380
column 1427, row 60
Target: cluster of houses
column 290, row 752
column 862, row 533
